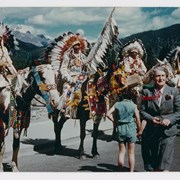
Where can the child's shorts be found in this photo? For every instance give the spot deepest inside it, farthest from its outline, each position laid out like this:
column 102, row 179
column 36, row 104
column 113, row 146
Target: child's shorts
column 126, row 132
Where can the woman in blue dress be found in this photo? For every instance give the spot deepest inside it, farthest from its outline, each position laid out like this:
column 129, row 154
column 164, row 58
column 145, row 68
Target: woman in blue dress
column 125, row 115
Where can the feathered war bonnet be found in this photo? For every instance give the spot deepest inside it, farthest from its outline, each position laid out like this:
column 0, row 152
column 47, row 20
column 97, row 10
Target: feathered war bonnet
column 134, row 46
column 64, row 43
column 9, row 40
column 73, row 40
column 177, row 52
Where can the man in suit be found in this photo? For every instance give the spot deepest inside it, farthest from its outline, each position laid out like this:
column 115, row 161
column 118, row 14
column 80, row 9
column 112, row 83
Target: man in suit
column 161, row 111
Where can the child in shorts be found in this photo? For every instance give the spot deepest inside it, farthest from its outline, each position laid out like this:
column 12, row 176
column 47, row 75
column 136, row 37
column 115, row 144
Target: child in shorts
column 122, row 114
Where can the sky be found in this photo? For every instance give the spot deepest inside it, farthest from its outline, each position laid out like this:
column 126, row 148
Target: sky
column 53, row 21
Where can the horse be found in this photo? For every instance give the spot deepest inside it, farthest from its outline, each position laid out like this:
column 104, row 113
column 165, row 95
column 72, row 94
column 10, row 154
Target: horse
column 7, row 41
column 39, row 80
column 4, row 114
column 91, row 99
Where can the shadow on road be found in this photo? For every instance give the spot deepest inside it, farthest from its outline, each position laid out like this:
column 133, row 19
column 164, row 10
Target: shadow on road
column 103, row 168
column 46, row 146
column 92, row 169
column 37, row 142
column 114, row 168
column 102, row 136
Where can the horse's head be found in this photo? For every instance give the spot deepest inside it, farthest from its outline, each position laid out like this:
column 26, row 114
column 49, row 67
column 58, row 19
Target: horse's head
column 4, row 93
column 39, row 80
column 48, row 79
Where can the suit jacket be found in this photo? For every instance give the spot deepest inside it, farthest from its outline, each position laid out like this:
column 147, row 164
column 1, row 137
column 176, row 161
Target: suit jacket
column 168, row 109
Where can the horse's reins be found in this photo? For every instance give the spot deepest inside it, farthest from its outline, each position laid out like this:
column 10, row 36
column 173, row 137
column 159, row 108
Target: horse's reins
column 44, row 105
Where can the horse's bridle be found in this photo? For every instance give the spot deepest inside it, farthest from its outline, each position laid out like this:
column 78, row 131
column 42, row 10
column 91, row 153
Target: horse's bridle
column 47, row 87
column 43, row 86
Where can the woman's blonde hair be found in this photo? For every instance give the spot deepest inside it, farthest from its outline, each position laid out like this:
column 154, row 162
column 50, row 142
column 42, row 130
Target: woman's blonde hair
column 159, row 68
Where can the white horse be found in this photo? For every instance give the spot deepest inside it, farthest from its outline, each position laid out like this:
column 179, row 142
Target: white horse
column 88, row 99
column 46, row 86
column 40, row 80
column 4, row 115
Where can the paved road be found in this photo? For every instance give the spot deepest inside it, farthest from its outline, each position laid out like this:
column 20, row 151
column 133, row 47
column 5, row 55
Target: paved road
column 37, row 154
column 41, row 130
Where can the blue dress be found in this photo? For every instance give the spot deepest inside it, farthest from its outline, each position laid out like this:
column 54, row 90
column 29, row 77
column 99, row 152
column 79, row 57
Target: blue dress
column 126, row 126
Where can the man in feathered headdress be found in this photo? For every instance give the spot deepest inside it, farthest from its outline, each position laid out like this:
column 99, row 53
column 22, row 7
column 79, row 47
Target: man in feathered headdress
column 73, row 70
column 73, row 64
column 133, row 63
column 5, row 59
column 133, row 53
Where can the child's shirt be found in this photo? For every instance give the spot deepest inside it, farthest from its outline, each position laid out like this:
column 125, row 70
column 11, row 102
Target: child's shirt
column 124, row 111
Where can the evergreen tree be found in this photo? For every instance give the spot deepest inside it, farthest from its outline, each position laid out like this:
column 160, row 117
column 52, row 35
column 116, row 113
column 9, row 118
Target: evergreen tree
column 151, row 58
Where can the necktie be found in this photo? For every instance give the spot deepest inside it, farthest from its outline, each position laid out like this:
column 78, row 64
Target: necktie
column 158, row 96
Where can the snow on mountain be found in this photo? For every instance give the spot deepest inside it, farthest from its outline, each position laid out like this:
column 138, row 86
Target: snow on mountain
column 26, row 36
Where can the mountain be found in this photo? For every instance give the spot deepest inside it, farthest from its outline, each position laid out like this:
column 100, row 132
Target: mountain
column 157, row 43
column 30, row 47
column 26, row 54
column 39, row 40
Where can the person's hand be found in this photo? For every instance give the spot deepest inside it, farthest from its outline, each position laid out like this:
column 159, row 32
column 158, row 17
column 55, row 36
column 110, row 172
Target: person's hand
column 156, row 121
column 166, row 122
column 139, row 134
